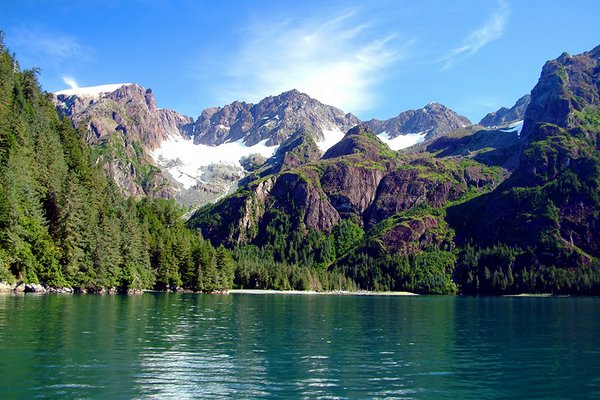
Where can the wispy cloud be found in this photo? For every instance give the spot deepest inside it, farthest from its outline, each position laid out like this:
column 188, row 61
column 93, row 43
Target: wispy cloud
column 493, row 29
column 337, row 60
column 51, row 47
column 70, row 81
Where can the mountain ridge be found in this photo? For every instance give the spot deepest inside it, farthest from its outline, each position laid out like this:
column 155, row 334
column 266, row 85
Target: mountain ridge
column 521, row 220
column 123, row 122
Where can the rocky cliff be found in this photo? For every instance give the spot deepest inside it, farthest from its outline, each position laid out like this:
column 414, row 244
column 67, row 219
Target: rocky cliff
column 273, row 119
column 124, row 126
column 434, row 120
column 359, row 179
column 505, row 115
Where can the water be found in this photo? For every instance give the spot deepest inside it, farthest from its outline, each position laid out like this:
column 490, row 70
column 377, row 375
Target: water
column 290, row 346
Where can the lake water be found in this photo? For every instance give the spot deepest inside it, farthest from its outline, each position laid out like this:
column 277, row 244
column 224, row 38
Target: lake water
column 292, row 346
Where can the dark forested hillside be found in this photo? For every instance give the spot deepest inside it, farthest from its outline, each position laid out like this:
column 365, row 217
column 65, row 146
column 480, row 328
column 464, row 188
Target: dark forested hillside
column 540, row 230
column 64, row 224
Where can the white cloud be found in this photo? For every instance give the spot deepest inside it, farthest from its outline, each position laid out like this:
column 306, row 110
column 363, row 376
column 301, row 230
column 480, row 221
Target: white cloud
column 493, row 29
column 70, row 81
column 336, row 60
column 39, row 44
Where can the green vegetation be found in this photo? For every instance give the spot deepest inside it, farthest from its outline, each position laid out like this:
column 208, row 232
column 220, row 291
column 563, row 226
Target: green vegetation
column 425, row 224
column 62, row 220
column 501, row 269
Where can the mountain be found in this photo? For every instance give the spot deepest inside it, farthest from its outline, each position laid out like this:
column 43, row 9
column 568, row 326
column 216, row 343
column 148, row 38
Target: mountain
column 360, row 187
column 147, row 150
column 549, row 206
column 124, row 126
column 159, row 153
column 64, row 226
column 273, row 120
column 433, row 120
column 479, row 210
column 490, row 146
column 505, row 115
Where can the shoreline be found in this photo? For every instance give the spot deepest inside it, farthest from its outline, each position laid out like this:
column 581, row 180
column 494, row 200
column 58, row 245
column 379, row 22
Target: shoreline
column 312, row 292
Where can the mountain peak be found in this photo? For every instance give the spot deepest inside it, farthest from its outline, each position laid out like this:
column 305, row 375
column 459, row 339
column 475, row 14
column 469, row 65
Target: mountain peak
column 273, row 119
column 505, row 115
column 360, row 129
column 359, row 139
column 434, row 120
column 91, row 91
column 292, row 92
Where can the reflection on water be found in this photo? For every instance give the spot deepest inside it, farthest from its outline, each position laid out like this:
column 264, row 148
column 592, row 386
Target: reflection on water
column 272, row 346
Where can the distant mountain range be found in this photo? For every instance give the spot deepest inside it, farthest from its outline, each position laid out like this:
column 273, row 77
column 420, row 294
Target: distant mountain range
column 298, row 194
column 161, row 153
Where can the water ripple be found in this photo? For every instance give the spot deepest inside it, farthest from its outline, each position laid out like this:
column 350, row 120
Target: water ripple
column 189, row 346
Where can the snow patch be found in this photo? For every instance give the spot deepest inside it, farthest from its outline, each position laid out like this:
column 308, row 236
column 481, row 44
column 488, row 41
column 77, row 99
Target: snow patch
column 402, row 141
column 331, row 137
column 185, row 161
column 514, row 127
column 92, row 90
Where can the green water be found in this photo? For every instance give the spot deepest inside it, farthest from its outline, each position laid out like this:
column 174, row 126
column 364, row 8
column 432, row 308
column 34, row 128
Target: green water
column 290, row 346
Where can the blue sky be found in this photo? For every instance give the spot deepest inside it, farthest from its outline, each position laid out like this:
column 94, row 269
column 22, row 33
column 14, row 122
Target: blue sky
column 374, row 59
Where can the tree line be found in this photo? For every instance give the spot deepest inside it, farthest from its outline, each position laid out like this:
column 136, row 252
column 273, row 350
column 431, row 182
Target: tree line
column 63, row 222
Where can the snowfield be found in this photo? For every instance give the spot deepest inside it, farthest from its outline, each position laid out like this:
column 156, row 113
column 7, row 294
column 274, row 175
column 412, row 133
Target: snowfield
column 402, row 141
column 95, row 91
column 331, row 137
column 186, row 161
column 514, row 127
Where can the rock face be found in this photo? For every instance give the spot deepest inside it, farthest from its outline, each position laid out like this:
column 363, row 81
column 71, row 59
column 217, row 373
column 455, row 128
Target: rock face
column 425, row 182
column 130, row 109
column 507, row 115
column 360, row 179
column 130, row 135
column 350, row 188
column 551, row 201
column 124, row 126
column 434, row 119
column 273, row 119
column 297, row 150
column 412, row 234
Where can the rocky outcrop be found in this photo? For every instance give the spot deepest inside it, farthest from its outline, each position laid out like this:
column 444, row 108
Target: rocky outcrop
column 505, row 115
column 359, row 140
column 130, row 109
column 7, row 287
column 410, row 235
column 34, row 288
column 295, row 192
column 351, row 188
column 360, row 178
column 125, row 126
column 567, row 85
column 273, row 119
column 425, row 182
column 297, row 150
column 434, row 119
